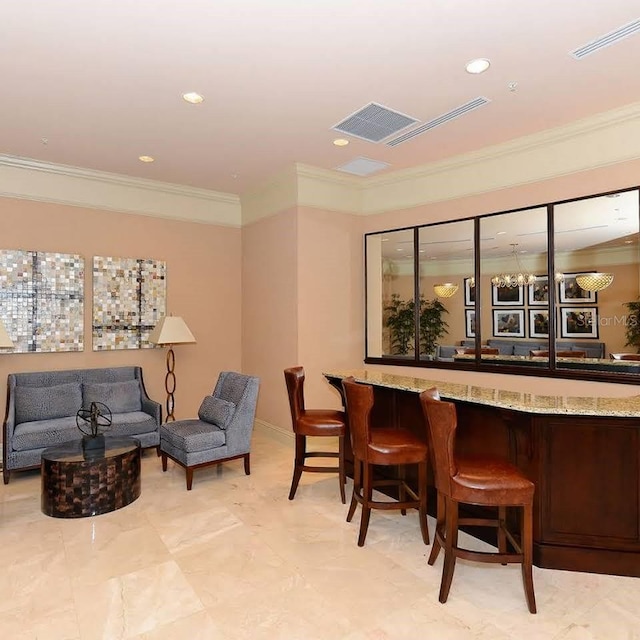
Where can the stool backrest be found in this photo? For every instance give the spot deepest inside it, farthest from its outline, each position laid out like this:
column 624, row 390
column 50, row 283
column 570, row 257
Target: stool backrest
column 294, row 377
column 359, row 401
column 442, row 421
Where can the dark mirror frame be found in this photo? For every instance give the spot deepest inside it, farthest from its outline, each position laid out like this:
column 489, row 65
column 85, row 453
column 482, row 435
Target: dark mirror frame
column 603, row 371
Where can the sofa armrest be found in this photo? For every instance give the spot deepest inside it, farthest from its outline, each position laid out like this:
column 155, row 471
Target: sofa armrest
column 240, row 428
column 153, row 408
column 149, row 406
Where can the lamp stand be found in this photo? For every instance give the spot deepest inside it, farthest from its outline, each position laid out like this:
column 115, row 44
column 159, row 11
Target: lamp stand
column 170, row 384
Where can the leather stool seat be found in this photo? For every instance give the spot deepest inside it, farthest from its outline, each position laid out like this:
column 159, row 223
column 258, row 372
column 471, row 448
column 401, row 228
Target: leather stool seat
column 490, row 482
column 321, row 422
column 313, row 423
column 382, row 446
column 485, row 482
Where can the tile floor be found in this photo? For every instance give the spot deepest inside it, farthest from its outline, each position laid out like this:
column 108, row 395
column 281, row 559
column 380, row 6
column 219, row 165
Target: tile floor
column 234, row 559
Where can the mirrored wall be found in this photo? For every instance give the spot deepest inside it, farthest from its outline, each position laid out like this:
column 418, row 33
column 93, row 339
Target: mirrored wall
column 554, row 288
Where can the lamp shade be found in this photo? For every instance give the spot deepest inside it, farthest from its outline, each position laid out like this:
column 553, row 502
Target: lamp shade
column 171, row 330
column 445, row 290
column 594, row 281
column 5, row 340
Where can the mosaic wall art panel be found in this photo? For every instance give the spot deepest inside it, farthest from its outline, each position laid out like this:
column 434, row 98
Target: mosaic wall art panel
column 42, row 300
column 129, row 297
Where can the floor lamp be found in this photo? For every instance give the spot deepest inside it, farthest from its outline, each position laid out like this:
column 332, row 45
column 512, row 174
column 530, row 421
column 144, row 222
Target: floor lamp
column 169, row 331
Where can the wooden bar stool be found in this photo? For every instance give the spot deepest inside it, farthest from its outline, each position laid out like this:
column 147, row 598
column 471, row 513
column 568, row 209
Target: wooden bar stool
column 485, row 482
column 385, row 447
column 313, row 422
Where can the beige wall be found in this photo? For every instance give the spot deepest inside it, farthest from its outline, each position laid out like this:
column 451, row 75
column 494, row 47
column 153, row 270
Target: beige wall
column 286, row 289
column 270, row 309
column 303, row 303
column 330, row 298
column 203, row 286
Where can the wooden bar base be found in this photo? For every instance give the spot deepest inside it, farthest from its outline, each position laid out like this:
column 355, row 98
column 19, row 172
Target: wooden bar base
column 586, row 469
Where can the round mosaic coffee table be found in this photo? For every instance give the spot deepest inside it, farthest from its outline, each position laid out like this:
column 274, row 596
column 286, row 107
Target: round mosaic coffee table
column 77, row 484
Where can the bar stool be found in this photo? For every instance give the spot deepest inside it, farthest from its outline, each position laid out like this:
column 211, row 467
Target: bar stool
column 385, row 447
column 486, row 482
column 313, row 422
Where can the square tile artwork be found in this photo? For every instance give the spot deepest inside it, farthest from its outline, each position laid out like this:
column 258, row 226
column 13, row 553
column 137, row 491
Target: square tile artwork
column 42, row 300
column 129, row 297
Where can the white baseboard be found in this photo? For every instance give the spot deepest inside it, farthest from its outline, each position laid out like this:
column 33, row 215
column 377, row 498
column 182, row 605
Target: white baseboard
column 283, row 435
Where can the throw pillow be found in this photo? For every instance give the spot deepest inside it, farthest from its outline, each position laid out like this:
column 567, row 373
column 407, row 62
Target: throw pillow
column 216, row 411
column 120, row 397
column 46, row 403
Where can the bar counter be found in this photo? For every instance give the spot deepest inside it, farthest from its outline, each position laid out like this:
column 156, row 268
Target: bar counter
column 582, row 453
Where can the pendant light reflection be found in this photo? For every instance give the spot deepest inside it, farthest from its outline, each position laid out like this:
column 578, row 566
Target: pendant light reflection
column 445, row 290
column 596, row 281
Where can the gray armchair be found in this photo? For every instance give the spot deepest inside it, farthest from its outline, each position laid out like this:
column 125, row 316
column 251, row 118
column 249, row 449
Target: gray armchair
column 222, row 431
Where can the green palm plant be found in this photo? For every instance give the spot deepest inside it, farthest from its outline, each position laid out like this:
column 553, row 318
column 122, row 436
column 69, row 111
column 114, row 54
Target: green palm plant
column 400, row 320
column 432, row 325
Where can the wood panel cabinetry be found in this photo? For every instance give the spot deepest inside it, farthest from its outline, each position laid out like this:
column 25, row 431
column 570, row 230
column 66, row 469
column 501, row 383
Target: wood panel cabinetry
column 586, row 469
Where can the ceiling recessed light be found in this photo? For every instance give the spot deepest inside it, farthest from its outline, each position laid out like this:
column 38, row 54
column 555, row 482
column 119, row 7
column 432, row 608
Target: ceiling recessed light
column 501, row 233
column 479, row 65
column 193, row 97
column 341, row 142
column 146, row 159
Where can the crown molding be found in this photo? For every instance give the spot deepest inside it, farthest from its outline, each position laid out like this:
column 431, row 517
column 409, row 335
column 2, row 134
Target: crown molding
column 30, row 179
column 277, row 194
column 327, row 189
column 525, row 143
column 602, row 140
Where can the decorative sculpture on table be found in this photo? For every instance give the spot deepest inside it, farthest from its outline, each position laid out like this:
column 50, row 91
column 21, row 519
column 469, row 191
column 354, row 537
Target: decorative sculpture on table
column 92, row 422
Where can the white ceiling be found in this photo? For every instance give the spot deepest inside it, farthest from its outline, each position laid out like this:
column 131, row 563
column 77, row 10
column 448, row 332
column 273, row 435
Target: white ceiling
column 102, row 81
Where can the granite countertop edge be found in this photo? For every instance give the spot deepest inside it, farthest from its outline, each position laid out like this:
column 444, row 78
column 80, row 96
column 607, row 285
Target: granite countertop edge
column 621, row 407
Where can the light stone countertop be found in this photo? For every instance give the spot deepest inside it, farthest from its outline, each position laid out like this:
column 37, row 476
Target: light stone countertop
column 622, row 407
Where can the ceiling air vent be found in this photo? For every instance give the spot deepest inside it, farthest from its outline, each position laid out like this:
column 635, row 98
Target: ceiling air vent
column 374, row 123
column 606, row 40
column 440, row 120
column 362, row 166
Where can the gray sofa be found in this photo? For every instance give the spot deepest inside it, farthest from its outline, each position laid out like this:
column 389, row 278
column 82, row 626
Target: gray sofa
column 522, row 346
column 42, row 407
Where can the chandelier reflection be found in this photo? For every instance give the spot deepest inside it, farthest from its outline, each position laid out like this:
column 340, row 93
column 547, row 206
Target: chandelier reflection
column 596, row 281
column 445, row 290
column 518, row 278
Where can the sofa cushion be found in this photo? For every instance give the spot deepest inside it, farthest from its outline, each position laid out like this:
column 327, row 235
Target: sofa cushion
column 590, row 351
column 46, row 403
column 505, row 347
column 120, row 397
column 524, row 349
column 40, row 434
column 192, row 435
column 216, row 411
column 231, row 386
column 132, row 423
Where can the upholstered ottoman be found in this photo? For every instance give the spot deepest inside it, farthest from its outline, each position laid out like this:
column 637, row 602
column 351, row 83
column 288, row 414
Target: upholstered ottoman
column 222, row 431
